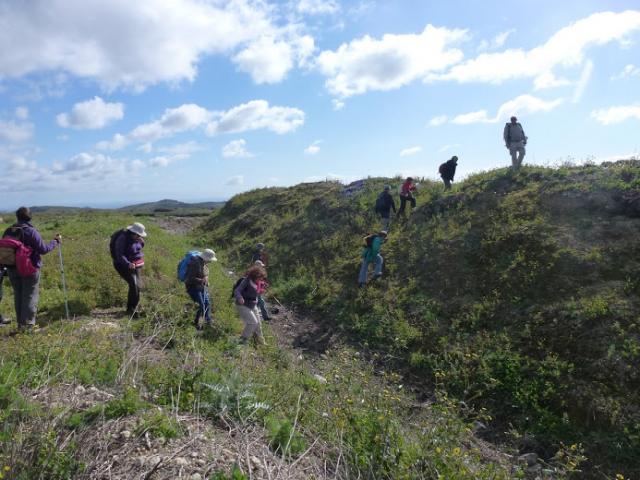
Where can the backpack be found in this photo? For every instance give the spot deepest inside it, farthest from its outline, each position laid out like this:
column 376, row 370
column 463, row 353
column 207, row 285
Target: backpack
column 184, row 263
column 368, row 240
column 442, row 168
column 112, row 242
column 235, row 285
column 15, row 253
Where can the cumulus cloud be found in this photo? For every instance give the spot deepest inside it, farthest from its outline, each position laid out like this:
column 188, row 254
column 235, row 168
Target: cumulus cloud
column 13, row 132
column 437, row 121
column 318, row 7
column 496, row 42
column 118, row 142
column 629, row 71
column 393, row 61
column 566, row 48
column 314, row 148
column 22, row 113
column 256, row 115
column 156, row 41
column 581, row 86
column 444, row 148
column 236, row 181
column 549, row 80
column 410, row 151
column 524, row 104
column 236, row 149
column 91, row 115
column 617, row 114
column 174, row 120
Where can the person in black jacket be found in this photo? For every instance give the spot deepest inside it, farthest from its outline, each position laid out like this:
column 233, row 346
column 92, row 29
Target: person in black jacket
column 384, row 205
column 447, row 171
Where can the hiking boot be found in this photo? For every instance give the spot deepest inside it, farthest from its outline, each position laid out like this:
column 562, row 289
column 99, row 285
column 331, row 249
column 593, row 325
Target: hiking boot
column 376, row 276
column 4, row 320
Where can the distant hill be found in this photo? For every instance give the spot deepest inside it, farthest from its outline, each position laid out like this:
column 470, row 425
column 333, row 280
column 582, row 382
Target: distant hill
column 168, row 206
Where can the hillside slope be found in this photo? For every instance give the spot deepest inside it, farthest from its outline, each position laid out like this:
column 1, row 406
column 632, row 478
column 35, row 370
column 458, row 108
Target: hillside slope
column 515, row 293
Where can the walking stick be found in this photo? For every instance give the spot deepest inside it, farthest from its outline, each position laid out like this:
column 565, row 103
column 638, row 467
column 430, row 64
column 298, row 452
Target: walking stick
column 64, row 283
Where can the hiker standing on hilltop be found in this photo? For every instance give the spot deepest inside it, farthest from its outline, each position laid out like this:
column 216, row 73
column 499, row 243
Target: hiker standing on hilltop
column 515, row 140
column 260, row 253
column 26, row 288
column 197, row 283
column 447, row 171
column 384, row 205
column 406, row 195
column 128, row 259
column 371, row 254
column 262, row 288
column 246, row 295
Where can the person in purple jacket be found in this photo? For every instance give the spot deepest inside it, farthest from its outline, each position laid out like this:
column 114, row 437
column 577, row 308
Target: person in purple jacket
column 246, row 295
column 26, row 289
column 128, row 261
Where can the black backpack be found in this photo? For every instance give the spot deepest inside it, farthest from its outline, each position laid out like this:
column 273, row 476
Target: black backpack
column 14, row 231
column 368, row 240
column 235, row 285
column 114, row 238
column 381, row 203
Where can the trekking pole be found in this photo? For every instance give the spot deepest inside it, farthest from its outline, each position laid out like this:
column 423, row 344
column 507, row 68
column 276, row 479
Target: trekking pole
column 64, row 283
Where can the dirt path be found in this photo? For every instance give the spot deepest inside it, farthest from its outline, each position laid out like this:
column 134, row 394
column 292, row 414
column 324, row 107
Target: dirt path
column 178, row 225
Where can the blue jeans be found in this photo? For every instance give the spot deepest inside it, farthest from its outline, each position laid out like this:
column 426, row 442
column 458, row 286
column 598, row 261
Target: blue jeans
column 263, row 308
column 364, row 269
column 201, row 297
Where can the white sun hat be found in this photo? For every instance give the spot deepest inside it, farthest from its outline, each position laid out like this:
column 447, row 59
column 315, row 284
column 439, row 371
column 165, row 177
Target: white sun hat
column 138, row 229
column 209, row 255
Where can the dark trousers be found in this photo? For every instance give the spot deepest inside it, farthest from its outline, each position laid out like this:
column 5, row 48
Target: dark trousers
column 201, row 297
column 25, row 296
column 263, row 308
column 403, row 203
column 132, row 277
column 447, row 183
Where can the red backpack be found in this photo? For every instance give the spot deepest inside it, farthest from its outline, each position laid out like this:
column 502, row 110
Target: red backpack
column 14, row 253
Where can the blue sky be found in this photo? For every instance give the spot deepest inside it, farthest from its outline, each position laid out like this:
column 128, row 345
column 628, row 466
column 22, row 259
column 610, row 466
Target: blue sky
column 114, row 102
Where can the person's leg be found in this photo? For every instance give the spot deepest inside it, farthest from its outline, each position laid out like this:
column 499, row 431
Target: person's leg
column 3, row 320
column 258, row 330
column 521, row 153
column 263, row 308
column 16, row 285
column 196, row 296
column 413, row 202
column 386, row 221
column 378, row 266
column 514, row 159
column 30, row 297
column 364, row 269
column 447, row 183
column 133, row 296
column 403, row 204
column 206, row 302
column 250, row 321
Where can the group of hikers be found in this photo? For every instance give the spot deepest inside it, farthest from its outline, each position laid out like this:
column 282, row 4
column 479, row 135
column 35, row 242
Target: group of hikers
column 515, row 141
column 22, row 247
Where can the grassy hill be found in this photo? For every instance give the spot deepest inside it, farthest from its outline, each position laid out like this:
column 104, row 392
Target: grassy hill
column 103, row 396
column 516, row 294
column 172, row 207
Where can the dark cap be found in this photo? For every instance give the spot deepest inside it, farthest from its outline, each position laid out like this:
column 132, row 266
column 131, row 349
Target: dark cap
column 23, row 214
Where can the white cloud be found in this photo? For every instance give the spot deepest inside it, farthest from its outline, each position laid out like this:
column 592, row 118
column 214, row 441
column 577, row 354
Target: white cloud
column 182, row 149
column 524, row 104
column 160, row 161
column 236, row 181
column 549, row 80
column 496, row 42
column 410, row 151
column 395, row 60
column 337, row 104
column 629, row 71
column 22, row 113
column 267, row 60
column 118, row 142
column 314, row 148
column 444, row 148
column 92, row 115
column 618, row 114
column 174, row 120
column 13, row 132
column 318, row 7
column 256, row 115
column 566, row 48
column 437, row 121
column 156, row 40
column 236, row 149
column 581, row 86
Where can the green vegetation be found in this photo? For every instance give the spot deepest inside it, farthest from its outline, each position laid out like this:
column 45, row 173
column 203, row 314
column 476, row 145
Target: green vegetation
column 516, row 294
column 71, row 390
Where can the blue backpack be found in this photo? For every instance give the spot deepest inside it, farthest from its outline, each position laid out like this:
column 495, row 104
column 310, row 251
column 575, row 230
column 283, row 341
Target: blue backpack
column 182, row 265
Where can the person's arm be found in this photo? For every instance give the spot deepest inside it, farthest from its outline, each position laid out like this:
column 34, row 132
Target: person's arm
column 393, row 204
column 34, row 240
column 505, row 134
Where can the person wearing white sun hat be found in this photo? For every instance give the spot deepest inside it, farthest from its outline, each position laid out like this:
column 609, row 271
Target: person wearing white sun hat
column 128, row 260
column 197, row 283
